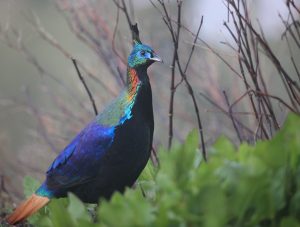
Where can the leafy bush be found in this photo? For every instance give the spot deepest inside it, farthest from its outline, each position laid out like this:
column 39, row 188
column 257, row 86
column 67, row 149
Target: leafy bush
column 250, row 186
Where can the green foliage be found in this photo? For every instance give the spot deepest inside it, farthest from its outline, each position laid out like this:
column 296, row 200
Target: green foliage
column 250, row 186
column 30, row 185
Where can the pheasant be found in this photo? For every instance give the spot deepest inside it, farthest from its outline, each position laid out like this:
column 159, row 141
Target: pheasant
column 109, row 154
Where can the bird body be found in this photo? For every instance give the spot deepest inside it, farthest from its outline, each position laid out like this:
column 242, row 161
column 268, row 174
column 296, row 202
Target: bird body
column 110, row 152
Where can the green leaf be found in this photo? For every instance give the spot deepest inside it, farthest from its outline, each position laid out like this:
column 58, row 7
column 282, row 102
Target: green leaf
column 148, row 173
column 130, row 209
column 30, row 185
column 77, row 209
column 289, row 222
column 59, row 214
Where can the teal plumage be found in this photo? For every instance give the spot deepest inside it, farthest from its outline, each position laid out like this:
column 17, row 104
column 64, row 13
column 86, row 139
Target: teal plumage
column 111, row 151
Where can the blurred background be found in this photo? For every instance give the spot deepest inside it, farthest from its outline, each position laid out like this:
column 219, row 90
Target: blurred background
column 43, row 104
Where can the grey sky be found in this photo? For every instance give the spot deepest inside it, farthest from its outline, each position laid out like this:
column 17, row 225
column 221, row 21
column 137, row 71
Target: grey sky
column 215, row 12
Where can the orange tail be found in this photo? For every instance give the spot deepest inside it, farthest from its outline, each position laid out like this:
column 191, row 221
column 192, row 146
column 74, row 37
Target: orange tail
column 27, row 208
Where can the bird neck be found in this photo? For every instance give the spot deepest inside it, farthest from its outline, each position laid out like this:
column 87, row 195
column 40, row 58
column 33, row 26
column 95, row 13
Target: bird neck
column 139, row 94
column 136, row 77
column 133, row 82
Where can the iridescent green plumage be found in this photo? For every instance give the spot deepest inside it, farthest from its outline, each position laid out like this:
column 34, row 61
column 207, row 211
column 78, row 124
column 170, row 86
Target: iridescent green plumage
column 120, row 109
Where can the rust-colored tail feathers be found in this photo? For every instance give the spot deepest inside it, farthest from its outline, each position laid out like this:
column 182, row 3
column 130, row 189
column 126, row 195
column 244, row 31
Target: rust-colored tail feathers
column 27, row 208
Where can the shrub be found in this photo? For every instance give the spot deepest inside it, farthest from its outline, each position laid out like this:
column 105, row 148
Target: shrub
column 249, row 186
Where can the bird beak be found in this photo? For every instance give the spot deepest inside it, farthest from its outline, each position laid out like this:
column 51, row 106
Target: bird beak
column 156, row 58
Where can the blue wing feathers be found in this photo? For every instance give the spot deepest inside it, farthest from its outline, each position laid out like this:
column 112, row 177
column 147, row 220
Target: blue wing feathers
column 77, row 162
column 65, row 154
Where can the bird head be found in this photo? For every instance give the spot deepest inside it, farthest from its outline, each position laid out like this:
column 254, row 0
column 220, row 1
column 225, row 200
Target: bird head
column 142, row 55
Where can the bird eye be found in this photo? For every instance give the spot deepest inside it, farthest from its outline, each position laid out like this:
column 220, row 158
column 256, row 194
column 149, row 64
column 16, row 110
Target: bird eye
column 143, row 53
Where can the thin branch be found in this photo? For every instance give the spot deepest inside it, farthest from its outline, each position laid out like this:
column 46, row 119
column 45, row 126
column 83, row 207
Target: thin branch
column 193, row 47
column 85, row 87
column 225, row 112
column 172, row 85
column 231, row 117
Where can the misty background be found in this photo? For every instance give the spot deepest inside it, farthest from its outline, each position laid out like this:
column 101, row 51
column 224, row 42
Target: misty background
column 31, row 99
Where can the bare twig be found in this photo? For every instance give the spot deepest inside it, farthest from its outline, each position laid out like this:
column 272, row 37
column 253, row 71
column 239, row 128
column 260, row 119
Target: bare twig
column 175, row 34
column 85, row 87
column 231, row 117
